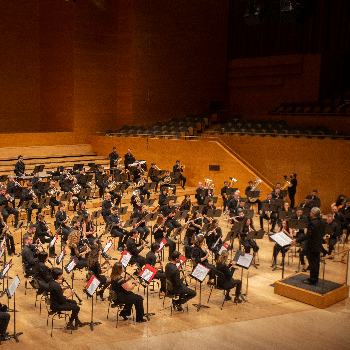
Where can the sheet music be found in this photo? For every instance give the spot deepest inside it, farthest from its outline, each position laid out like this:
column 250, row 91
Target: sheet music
column 3, row 242
column 182, row 261
column 53, row 241
column 245, row 260
column 162, row 244
column 6, row 269
column 125, row 258
column 281, row 238
column 70, row 266
column 200, row 272
column 223, row 247
column 60, row 257
column 11, row 290
column 108, row 245
column 92, row 285
column 2, row 252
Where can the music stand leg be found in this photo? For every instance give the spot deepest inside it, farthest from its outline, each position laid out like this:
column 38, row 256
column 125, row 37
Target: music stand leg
column 148, row 314
column 92, row 323
column 15, row 335
column 199, row 305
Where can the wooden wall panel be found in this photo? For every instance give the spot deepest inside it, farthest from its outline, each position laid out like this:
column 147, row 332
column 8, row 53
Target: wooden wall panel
column 20, row 69
column 259, row 84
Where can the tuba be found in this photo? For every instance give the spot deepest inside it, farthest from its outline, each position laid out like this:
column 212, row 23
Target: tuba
column 111, row 187
column 255, row 188
column 232, row 182
column 209, row 184
column 76, row 189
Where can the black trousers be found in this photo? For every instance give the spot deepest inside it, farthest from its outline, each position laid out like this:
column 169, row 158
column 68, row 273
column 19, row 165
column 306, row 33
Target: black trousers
column 30, row 210
column 156, row 180
column 169, row 243
column 144, row 231
column 4, row 321
column 273, row 218
column 171, row 224
column 10, row 244
column 249, row 244
column 129, row 300
column 185, row 294
column 183, row 179
column 232, row 283
column 138, row 259
column 120, row 234
column 162, row 277
column 314, row 265
column 7, row 211
column 292, row 199
column 69, row 305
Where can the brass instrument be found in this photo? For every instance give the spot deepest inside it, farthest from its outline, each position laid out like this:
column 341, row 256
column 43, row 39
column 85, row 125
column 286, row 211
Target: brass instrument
column 139, row 184
column 18, row 184
column 137, row 197
column 182, row 166
column 117, row 161
column 76, row 189
column 70, row 177
column 255, row 188
column 232, row 182
column 166, row 181
column 53, row 192
column 326, row 238
column 209, row 184
column 156, row 167
column 286, row 184
column 111, row 187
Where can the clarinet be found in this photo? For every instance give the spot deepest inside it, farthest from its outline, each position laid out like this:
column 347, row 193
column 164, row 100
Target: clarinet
column 68, row 285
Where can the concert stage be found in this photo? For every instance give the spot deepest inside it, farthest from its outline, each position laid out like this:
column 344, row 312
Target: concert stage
column 322, row 295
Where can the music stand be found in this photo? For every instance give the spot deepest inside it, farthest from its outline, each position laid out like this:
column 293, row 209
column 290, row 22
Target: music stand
column 306, row 211
column 169, row 198
column 149, row 186
column 214, row 213
column 123, row 210
column 209, row 198
column 42, row 185
column 243, row 260
column 147, row 275
column 249, row 213
column 95, row 215
column 253, row 195
column 283, row 240
column 90, row 290
column 198, row 208
column 284, row 193
column 130, row 223
column 65, row 197
column 3, row 178
column 284, row 215
column 177, row 232
column 205, row 227
column 78, row 167
column 85, row 192
column 120, row 178
column 199, row 273
column 44, row 202
column 297, row 224
column 279, row 202
column 103, row 178
column 38, row 169
column 149, row 202
column 316, row 203
column 269, row 208
column 230, row 191
column 255, row 235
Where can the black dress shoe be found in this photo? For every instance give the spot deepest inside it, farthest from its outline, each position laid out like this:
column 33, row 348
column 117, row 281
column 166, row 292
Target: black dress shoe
column 307, row 281
column 71, row 326
column 237, row 300
column 142, row 320
column 79, row 324
column 5, row 337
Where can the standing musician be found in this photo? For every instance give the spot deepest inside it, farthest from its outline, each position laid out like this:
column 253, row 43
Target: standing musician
column 82, row 209
column 117, row 230
column 20, row 167
column 345, row 211
column 10, row 244
column 167, row 212
column 152, row 260
column 108, row 185
column 307, row 202
column 284, row 227
column 132, row 248
column 141, row 228
column 335, row 233
column 29, row 195
column 107, row 205
column 42, row 273
column 59, row 302
column 61, row 222
column 162, row 196
column 113, row 157
column 227, row 269
column 137, row 199
column 196, row 222
column 128, row 159
column 176, row 284
column 224, row 195
column 189, row 238
column 52, row 192
column 123, row 289
column 232, row 204
column 247, row 226
column 29, row 254
column 74, row 189
column 159, row 231
column 199, row 194
column 64, row 181
column 78, row 251
column 201, row 257
column 97, row 270
column 43, row 232
column 11, row 188
column 100, row 184
column 313, row 238
column 249, row 188
column 268, row 215
column 5, row 198
column 214, row 237
column 88, row 228
column 166, row 180
column 155, row 179
column 209, row 206
column 292, row 189
column 178, row 168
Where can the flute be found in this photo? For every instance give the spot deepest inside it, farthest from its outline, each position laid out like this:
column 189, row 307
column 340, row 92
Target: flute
column 68, row 285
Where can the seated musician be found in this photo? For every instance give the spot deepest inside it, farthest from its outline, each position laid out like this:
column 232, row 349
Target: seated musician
column 4, row 322
column 232, row 204
column 196, row 222
column 89, row 228
column 168, row 212
column 178, row 168
column 141, row 186
column 42, row 273
column 256, row 200
column 29, row 254
column 117, row 230
column 61, row 222
column 75, row 225
column 136, row 199
column 43, row 232
column 96, row 268
column 82, row 209
column 80, row 177
column 276, row 194
column 345, row 211
column 284, row 227
column 99, row 180
column 165, row 182
column 186, row 205
column 10, row 244
column 20, row 167
column 189, row 238
column 64, row 181
column 224, row 195
column 5, row 199
column 75, row 189
column 107, row 204
column 200, row 256
column 227, row 269
column 11, row 186
column 199, row 194
column 315, row 201
column 268, row 215
column 59, row 302
column 132, row 248
column 109, row 187
column 120, row 171
column 137, row 173
column 140, row 225
column 214, row 237
column 31, row 230
column 247, row 226
column 52, row 192
column 123, row 288
column 155, row 179
column 162, row 196
column 113, row 158
column 29, row 195
column 176, row 284
column 159, row 234
column 334, row 235
column 36, row 180
column 78, row 250
column 285, row 209
column 307, row 203
column 152, row 260
column 339, row 218
column 209, row 206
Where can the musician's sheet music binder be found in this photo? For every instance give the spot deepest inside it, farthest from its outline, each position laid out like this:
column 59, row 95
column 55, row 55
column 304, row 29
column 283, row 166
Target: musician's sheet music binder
column 125, row 258
column 281, row 238
column 243, row 259
column 199, row 272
